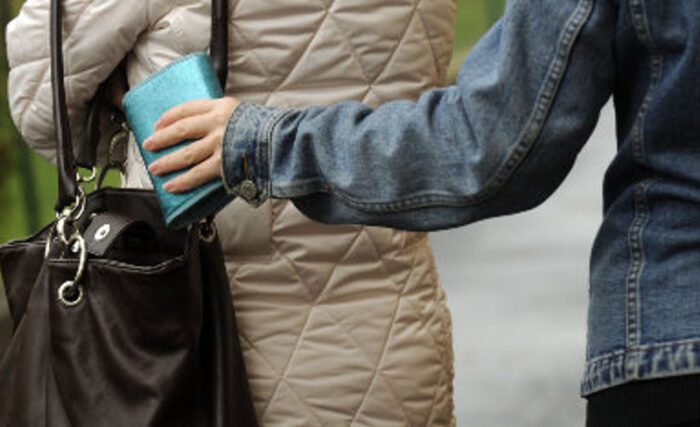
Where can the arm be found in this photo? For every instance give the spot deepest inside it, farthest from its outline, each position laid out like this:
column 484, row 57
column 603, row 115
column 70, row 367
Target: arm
column 500, row 141
column 97, row 36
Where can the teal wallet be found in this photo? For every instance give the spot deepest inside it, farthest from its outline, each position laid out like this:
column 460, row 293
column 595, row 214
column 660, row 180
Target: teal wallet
column 188, row 79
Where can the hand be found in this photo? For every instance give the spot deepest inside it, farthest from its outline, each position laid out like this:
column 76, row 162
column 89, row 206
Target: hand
column 204, row 122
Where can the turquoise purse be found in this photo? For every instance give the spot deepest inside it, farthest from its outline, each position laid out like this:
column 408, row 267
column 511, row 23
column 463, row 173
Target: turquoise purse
column 188, row 79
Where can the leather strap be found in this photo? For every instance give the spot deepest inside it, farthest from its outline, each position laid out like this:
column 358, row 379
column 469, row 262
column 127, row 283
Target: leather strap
column 218, row 49
column 65, row 156
column 67, row 183
column 86, row 153
column 106, row 229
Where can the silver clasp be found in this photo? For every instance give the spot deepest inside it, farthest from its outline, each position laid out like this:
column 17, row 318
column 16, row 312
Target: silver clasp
column 70, row 293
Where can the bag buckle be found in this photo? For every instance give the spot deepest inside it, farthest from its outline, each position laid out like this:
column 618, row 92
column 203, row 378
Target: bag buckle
column 70, row 293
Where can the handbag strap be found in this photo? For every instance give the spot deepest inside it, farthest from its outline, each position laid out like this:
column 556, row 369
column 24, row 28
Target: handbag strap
column 67, row 179
column 68, row 185
column 218, row 48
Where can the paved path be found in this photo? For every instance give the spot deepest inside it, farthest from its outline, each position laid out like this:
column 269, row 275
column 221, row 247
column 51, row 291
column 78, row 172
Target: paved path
column 517, row 288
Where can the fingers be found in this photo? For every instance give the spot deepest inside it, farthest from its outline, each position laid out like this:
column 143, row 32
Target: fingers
column 189, row 128
column 204, row 120
column 190, row 155
column 199, row 175
column 192, row 108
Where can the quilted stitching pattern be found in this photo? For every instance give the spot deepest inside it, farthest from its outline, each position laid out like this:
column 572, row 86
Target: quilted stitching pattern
column 339, row 49
column 385, row 335
column 345, row 325
column 341, row 325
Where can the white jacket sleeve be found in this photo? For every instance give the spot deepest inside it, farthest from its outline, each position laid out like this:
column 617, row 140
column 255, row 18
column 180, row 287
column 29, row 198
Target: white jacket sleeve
column 97, row 36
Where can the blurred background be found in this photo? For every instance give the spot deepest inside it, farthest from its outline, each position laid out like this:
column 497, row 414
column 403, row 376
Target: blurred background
column 517, row 286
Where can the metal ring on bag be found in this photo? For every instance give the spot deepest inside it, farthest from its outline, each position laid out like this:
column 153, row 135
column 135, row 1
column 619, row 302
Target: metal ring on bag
column 82, row 247
column 87, row 179
column 68, row 211
column 76, row 210
column 82, row 204
column 207, row 231
column 68, row 217
column 61, row 230
column 71, row 293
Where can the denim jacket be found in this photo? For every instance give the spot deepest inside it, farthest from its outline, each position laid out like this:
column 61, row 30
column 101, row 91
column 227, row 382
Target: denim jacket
column 504, row 138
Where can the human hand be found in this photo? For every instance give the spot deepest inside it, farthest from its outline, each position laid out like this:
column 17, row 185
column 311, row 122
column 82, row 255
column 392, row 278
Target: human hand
column 204, row 122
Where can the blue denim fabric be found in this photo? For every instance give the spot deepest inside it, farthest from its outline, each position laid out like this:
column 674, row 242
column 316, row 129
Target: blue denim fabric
column 251, row 126
column 504, row 138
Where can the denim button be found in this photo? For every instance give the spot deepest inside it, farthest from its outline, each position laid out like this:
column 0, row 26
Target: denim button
column 248, row 190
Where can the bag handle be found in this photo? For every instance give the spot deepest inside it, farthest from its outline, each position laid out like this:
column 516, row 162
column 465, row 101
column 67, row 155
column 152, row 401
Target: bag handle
column 218, row 48
column 67, row 182
column 68, row 185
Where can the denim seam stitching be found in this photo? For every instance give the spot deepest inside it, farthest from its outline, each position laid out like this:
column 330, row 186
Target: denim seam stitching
column 641, row 26
column 640, row 22
column 527, row 139
column 616, row 353
column 636, row 269
column 639, row 147
column 264, row 152
column 232, row 122
column 606, row 370
column 643, row 347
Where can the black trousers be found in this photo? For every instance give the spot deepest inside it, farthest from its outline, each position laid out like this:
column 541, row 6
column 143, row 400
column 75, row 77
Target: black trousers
column 668, row 402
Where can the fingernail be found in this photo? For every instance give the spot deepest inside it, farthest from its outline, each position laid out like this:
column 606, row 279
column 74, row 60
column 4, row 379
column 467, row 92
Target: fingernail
column 169, row 187
column 148, row 144
column 154, row 168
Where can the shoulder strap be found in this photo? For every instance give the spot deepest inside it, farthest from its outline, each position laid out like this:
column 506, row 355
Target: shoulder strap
column 67, row 183
column 219, row 39
column 65, row 158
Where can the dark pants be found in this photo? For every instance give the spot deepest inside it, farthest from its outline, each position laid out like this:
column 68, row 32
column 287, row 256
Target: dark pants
column 668, row 402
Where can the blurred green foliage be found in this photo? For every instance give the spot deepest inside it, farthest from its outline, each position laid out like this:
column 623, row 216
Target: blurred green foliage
column 7, row 132
column 474, row 17
column 23, row 209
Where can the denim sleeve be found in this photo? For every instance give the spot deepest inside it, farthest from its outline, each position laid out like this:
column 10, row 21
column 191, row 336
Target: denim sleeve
column 500, row 141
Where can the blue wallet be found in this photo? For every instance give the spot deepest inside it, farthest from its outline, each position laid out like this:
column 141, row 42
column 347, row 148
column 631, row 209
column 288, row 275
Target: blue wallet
column 188, row 79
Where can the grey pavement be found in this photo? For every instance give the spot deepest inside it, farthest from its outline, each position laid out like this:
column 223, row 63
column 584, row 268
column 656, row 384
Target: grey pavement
column 517, row 288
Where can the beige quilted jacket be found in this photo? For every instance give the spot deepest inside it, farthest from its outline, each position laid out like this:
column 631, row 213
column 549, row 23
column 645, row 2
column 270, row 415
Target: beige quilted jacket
column 341, row 325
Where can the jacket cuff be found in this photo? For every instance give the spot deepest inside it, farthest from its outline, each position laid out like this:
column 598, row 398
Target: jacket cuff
column 246, row 151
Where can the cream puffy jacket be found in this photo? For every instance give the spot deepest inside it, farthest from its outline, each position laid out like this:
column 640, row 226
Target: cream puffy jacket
column 341, row 325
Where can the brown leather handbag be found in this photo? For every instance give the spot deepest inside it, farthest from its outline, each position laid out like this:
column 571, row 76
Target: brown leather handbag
column 119, row 321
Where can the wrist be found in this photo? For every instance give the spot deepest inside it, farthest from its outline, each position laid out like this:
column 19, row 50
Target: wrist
column 245, row 151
